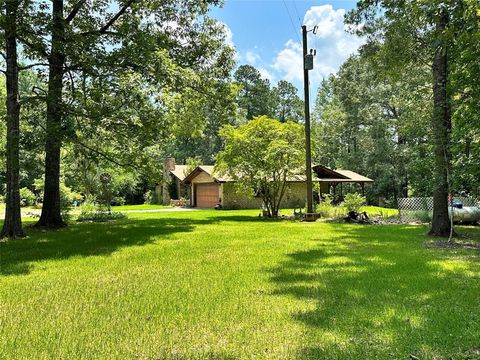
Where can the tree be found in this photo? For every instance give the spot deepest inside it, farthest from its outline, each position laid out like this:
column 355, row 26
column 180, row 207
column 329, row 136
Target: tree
column 423, row 32
column 262, row 155
column 287, row 104
column 375, row 124
column 91, row 45
column 254, row 96
column 12, row 226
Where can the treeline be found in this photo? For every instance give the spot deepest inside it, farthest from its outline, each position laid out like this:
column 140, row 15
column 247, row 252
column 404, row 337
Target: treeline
column 252, row 95
column 405, row 110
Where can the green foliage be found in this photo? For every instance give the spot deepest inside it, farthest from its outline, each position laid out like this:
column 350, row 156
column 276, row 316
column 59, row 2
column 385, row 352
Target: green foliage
column 100, row 216
column 27, row 197
column 326, row 209
column 67, row 196
column 91, row 212
column 67, row 199
column 354, row 201
column 421, row 216
column 254, row 97
column 148, row 197
column 287, row 105
column 376, row 126
column 152, row 197
column 134, row 90
column 105, row 196
column 261, row 156
column 192, row 163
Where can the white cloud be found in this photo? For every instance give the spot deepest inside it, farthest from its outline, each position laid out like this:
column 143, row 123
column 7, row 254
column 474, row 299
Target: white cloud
column 266, row 74
column 289, row 61
column 252, row 57
column 332, row 43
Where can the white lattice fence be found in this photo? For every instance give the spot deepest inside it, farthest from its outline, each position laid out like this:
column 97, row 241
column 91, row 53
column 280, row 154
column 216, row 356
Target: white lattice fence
column 421, row 208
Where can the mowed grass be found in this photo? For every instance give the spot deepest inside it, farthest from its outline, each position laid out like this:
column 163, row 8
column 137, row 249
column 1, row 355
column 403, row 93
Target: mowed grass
column 140, row 207
column 227, row 285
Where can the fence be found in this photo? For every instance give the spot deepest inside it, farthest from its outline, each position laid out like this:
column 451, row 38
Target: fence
column 420, row 209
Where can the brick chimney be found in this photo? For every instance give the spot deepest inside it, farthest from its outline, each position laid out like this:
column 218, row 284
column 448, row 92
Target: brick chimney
column 168, row 165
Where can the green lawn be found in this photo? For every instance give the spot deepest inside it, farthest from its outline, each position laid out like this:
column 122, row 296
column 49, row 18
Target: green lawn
column 379, row 211
column 140, row 207
column 227, row 285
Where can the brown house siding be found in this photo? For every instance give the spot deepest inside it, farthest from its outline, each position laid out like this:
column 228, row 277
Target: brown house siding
column 295, row 195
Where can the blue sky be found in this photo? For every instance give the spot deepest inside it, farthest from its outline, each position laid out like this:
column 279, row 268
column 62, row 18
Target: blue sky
column 267, row 35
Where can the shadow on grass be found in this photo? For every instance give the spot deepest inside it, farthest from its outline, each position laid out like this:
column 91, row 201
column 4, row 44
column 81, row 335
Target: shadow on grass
column 378, row 293
column 88, row 239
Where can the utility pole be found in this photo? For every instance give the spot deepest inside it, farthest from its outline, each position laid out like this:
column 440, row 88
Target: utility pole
column 308, row 151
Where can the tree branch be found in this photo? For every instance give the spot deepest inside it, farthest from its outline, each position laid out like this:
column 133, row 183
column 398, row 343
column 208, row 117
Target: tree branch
column 26, row 67
column 33, row 46
column 102, row 154
column 104, row 29
column 74, row 11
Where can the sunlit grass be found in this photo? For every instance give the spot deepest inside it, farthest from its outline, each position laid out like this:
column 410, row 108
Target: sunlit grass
column 228, row 285
column 140, row 207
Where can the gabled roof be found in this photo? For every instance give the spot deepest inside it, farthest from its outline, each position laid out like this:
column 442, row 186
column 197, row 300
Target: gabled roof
column 208, row 169
column 321, row 174
column 179, row 172
column 325, row 174
column 354, row 176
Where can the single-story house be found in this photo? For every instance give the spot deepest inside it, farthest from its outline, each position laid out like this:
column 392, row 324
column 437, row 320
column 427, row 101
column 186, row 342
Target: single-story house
column 206, row 189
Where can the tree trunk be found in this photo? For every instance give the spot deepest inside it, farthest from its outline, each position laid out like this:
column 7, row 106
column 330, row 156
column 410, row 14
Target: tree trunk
column 12, row 227
column 51, row 213
column 441, row 124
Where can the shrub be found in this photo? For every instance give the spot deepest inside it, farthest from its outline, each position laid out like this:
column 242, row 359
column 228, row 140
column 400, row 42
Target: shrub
column 100, row 216
column 354, row 201
column 67, row 197
column 27, row 197
column 90, row 212
column 118, row 200
column 423, row 216
column 324, row 207
column 152, row 197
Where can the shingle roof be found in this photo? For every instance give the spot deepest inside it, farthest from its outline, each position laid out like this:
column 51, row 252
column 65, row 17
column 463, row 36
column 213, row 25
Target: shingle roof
column 354, row 176
column 179, row 172
column 333, row 175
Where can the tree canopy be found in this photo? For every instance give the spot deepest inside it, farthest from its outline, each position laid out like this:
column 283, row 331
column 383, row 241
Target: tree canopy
column 262, row 155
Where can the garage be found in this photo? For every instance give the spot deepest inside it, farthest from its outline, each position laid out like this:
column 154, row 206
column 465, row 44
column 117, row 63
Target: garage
column 206, row 195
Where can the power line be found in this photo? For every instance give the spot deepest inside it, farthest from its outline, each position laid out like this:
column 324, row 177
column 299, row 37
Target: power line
column 296, row 11
column 291, row 21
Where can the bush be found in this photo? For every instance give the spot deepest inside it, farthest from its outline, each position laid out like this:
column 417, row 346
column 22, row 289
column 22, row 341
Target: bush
column 423, row 216
column 100, row 216
column 67, row 197
column 118, row 201
column 150, row 197
column 324, row 207
column 353, row 202
column 27, row 197
column 90, row 212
